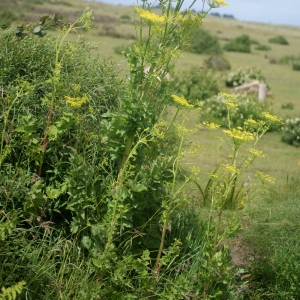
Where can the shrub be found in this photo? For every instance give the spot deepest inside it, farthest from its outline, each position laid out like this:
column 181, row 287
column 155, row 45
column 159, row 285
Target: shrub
column 263, row 48
column 125, row 18
column 217, row 62
column 241, row 76
column 195, row 84
column 213, row 110
column 291, row 132
column 288, row 105
column 296, row 65
column 239, row 44
column 279, row 40
column 203, row 42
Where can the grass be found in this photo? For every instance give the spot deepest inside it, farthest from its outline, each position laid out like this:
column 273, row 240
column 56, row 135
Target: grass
column 271, row 236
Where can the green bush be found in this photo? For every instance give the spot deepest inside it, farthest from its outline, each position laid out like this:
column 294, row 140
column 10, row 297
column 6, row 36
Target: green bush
column 243, row 75
column 287, row 105
column 217, row 62
column 195, row 84
column 203, row 42
column 291, row 132
column 296, row 65
column 279, row 40
column 214, row 110
column 263, row 48
column 239, row 44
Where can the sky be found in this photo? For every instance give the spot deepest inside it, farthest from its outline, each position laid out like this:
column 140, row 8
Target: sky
column 286, row 12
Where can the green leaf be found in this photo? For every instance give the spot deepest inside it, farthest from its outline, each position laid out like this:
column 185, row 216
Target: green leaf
column 43, row 19
column 52, row 193
column 52, row 133
column 97, row 262
column 86, row 242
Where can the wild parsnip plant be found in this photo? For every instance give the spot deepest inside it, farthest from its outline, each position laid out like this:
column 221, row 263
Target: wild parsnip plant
column 222, row 191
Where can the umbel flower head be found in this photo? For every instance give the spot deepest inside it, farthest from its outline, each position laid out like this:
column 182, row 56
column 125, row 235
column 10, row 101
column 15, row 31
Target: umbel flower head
column 147, row 15
column 217, row 3
column 182, row 101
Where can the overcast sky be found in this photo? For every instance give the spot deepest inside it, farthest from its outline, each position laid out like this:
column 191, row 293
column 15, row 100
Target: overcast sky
column 267, row 11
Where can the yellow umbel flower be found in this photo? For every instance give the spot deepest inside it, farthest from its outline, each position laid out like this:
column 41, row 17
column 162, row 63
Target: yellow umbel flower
column 230, row 168
column 238, row 134
column 220, row 2
column 212, row 126
column 257, row 153
column 182, row 101
column 265, row 178
column 272, row 119
column 77, row 101
column 147, row 15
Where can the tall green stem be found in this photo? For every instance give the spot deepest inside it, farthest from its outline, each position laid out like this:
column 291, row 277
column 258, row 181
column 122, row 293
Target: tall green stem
column 167, row 219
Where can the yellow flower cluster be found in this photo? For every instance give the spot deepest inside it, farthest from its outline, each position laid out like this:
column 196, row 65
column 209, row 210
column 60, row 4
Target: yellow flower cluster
column 239, row 134
column 77, row 101
column 228, row 97
column 230, row 168
column 256, row 153
column 182, row 130
column 212, row 126
column 182, row 101
column 220, row 2
column 147, row 15
column 271, row 118
column 265, row 177
column 251, row 123
column 231, row 104
column 189, row 18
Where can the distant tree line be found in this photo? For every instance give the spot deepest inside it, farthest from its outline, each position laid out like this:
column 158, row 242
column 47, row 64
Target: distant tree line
column 224, row 15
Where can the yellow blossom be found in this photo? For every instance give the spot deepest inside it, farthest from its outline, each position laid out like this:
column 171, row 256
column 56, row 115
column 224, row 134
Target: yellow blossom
column 77, row 101
column 265, row 178
column 272, row 119
column 182, row 101
column 230, row 168
column 189, row 18
column 196, row 171
column 228, row 96
column 212, row 126
column 219, row 2
column 182, row 130
column 251, row 123
column 239, row 134
column 213, row 175
column 231, row 104
column 147, row 15
column 256, row 153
